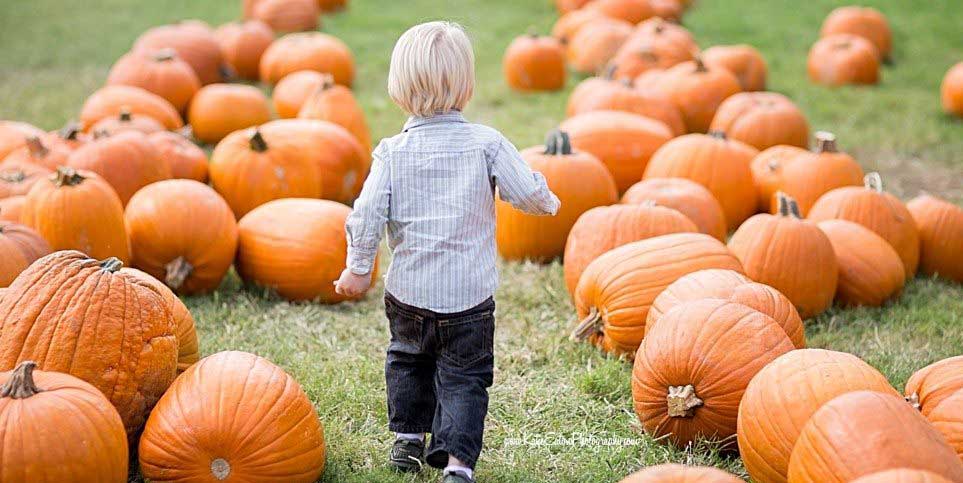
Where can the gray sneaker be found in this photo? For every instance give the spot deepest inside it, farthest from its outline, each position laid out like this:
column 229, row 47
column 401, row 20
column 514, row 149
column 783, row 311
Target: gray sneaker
column 407, row 455
column 456, row 477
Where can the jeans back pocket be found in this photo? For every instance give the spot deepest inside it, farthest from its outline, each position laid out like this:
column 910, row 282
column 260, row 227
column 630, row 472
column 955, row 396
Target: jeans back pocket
column 467, row 340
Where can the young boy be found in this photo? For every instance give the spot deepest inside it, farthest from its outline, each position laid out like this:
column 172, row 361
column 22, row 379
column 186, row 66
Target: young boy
column 433, row 185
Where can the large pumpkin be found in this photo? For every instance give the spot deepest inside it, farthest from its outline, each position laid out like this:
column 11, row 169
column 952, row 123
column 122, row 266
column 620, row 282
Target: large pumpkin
column 744, row 61
column 293, row 89
column 308, row 51
column 673, row 473
column 767, row 171
column 697, row 90
column 866, row 22
column 734, row 287
column 96, row 321
column 841, row 59
column 762, row 120
column 182, row 232
column 687, row 197
column 16, row 179
column 596, row 43
column 928, row 387
column 621, row 140
column 615, row 291
column 194, row 41
column 188, row 350
column 902, row 475
column 66, row 430
column 296, row 246
column 186, row 159
column 78, row 210
column 789, row 254
column 128, row 161
column 161, row 72
column 220, row 109
column 288, row 15
column 782, row 397
column 718, row 163
column 601, row 229
column 877, row 210
column 606, row 94
column 870, row 270
column 233, row 416
column 243, row 44
column 20, row 247
column 14, row 134
column 694, row 365
column 940, row 225
column 534, row 63
column 947, row 418
column 808, row 175
column 864, row 432
column 951, row 90
column 109, row 101
column 336, row 103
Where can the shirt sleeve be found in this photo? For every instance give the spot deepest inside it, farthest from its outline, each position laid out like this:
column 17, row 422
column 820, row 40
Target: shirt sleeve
column 517, row 183
column 366, row 223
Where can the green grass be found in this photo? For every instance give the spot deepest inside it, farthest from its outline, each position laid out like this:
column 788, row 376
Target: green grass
column 55, row 53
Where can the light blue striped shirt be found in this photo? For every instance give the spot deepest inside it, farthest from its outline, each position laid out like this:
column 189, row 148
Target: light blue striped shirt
column 433, row 185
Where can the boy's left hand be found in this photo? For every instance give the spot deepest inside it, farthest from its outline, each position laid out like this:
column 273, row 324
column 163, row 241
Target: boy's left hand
column 351, row 284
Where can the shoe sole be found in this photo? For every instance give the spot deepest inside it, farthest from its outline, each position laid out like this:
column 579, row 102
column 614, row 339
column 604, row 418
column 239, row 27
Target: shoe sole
column 406, row 466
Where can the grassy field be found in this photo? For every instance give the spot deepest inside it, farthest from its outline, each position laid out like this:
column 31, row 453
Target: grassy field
column 547, row 388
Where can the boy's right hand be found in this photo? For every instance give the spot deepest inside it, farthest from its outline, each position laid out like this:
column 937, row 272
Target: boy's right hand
column 351, row 284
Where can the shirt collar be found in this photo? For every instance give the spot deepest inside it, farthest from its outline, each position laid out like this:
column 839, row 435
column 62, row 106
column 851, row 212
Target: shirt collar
column 450, row 116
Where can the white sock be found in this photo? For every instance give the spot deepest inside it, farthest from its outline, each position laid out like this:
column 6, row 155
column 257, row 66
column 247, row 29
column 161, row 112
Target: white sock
column 459, row 469
column 411, row 436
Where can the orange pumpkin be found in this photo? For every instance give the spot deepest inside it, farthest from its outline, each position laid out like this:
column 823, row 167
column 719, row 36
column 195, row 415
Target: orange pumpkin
column 96, row 321
column 332, row 5
column 194, row 42
column 13, row 135
column 615, row 291
column 243, row 44
column 789, row 254
column 718, row 163
column 631, row 11
column 41, row 151
column 662, row 28
column 767, row 168
column 866, row 22
column 288, row 15
column 161, row 72
column 734, row 287
column 78, row 210
column 606, row 94
column 16, row 179
column 697, row 90
column 621, row 140
column 109, row 101
column 207, row 427
column 534, row 63
column 581, row 183
column 220, row 109
column 314, row 229
column 744, row 61
column 566, row 6
column 601, row 229
column 88, row 445
column 182, row 232
column 785, row 394
column 928, row 387
column 808, row 176
column 843, row 59
column 125, row 121
column 20, row 246
column 864, row 432
column 673, row 473
column 870, row 270
column 186, row 159
column 293, row 90
column 128, row 161
column 951, row 91
column 10, row 208
column 762, row 120
column 188, row 351
column 70, row 135
column 687, row 197
column 947, row 418
column 596, row 43
column 308, row 51
column 569, row 23
column 940, row 226
column 877, row 210
column 654, row 44
column 335, row 103
column 902, row 475
column 694, row 365
column 667, row 9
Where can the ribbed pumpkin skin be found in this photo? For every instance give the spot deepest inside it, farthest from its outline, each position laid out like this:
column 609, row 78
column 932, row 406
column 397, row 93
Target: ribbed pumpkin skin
column 111, row 100
column 82, row 214
column 719, row 164
column 295, row 246
column 936, row 382
column 783, row 396
column 621, row 284
column 596, row 43
column 762, row 120
column 533, row 63
column 161, row 72
column 194, row 42
column 842, row 59
column 716, row 347
column 220, row 109
column 335, row 103
column 864, row 432
column 188, row 350
column 687, row 197
column 16, row 179
column 288, row 15
column 243, row 44
column 744, row 61
column 239, row 409
column 601, row 229
column 698, row 90
column 673, row 473
column 870, row 271
column 902, row 475
column 809, row 175
column 128, row 161
column 308, row 51
column 66, row 433
column 73, row 314
column 10, row 208
column 767, row 172
column 623, row 141
column 940, row 226
column 951, row 91
column 20, row 246
column 947, row 418
column 13, row 135
column 186, row 159
column 182, row 221
column 601, row 94
column 865, row 22
column 733, row 287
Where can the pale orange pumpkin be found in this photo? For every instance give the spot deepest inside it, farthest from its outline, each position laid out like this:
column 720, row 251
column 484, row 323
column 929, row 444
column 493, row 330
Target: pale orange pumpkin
column 109, row 101
column 807, row 176
column 126, row 121
column 220, row 109
column 293, row 89
column 186, row 159
column 194, row 42
column 569, row 23
column 841, row 59
column 535, row 63
column 607, row 94
column 866, row 22
column 308, row 51
column 11, row 208
column 162, row 72
column 654, row 44
column 13, row 135
column 870, row 270
column 128, row 161
column 951, row 91
column 687, row 197
column 767, row 168
column 940, row 225
column 698, row 89
column 337, row 104
column 243, row 44
column 744, row 61
column 20, row 246
column 42, row 151
column 673, row 473
column 762, row 120
column 631, row 11
column 928, row 387
column 902, row 475
column 16, row 179
column 288, row 15
column 596, row 43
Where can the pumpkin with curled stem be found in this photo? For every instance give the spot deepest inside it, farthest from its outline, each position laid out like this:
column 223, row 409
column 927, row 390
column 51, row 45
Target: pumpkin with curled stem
column 675, row 473
column 870, row 270
column 940, row 226
column 929, row 386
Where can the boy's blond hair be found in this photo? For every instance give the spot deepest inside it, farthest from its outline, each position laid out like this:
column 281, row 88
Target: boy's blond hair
column 432, row 69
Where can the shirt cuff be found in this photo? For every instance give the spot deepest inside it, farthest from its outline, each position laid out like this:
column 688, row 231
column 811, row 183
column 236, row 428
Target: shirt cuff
column 361, row 260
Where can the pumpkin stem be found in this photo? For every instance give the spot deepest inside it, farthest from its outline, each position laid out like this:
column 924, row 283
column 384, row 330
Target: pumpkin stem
column 125, row 115
column 787, row 205
column 36, row 146
column 558, row 143
column 721, row 135
column 773, row 165
column 221, row 469
column 101, row 134
column 700, row 65
column 67, row 177
column 21, row 385
column 13, row 176
column 112, row 264
column 873, row 181
column 164, row 55
column 227, row 72
column 70, row 131
column 682, row 401
column 327, row 81
column 590, row 325
column 257, row 141
column 914, row 400
column 825, row 142
column 609, row 73
column 177, row 272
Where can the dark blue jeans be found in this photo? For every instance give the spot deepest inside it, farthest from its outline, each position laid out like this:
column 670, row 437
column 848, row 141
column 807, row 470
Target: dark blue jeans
column 438, row 370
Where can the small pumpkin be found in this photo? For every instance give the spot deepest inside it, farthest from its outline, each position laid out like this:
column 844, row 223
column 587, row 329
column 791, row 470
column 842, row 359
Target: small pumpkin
column 622, row 140
column 13, row 135
column 808, row 176
column 308, row 51
column 877, row 210
column 767, row 171
column 866, row 22
column 843, row 59
column 89, row 444
column 836, row 446
column 698, row 89
column 654, row 44
column 744, row 61
column 902, row 475
column 782, row 397
column 940, row 226
column 596, row 43
column 870, row 270
column 41, row 151
column 127, row 161
column 336, row 103
column 581, row 183
column 161, row 72
column 195, row 43
column 78, row 210
column 673, row 473
column 186, row 159
column 616, row 290
column 716, row 162
column 569, row 23
column 662, row 28
column 243, row 44
column 109, row 101
column 20, row 246
column 16, row 179
column 125, row 121
column 631, row 11
column 695, row 364
column 220, row 109
column 11, row 208
column 789, row 254
column 293, row 89
column 762, row 120
column 607, row 94
column 534, row 63
column 928, row 387
column 288, row 15
column 182, row 232
column 687, row 197
column 951, row 90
